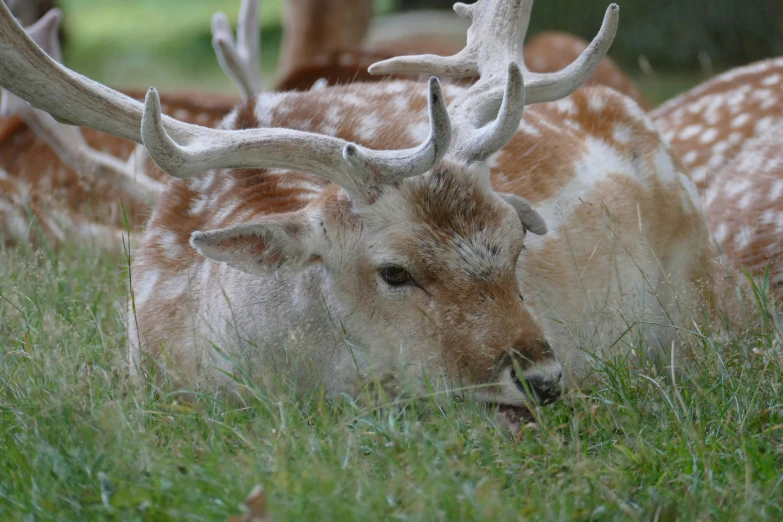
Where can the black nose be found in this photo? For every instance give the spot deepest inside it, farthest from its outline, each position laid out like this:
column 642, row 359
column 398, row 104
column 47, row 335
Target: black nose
column 545, row 391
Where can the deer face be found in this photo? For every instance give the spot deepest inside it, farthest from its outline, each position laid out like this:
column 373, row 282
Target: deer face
column 426, row 273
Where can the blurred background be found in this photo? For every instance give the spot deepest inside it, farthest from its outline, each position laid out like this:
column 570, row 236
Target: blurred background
column 666, row 45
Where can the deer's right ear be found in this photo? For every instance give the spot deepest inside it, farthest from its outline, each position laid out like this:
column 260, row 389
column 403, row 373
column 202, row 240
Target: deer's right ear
column 282, row 244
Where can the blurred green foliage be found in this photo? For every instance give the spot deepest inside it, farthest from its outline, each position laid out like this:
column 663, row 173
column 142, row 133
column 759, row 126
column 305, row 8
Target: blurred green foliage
column 672, row 34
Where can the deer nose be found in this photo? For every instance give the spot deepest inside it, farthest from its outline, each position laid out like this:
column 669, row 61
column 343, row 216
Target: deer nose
column 545, row 386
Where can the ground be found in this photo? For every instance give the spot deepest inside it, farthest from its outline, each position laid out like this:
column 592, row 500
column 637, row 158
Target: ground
column 76, row 443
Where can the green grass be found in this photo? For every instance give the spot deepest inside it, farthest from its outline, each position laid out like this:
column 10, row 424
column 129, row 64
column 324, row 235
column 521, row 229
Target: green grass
column 76, row 443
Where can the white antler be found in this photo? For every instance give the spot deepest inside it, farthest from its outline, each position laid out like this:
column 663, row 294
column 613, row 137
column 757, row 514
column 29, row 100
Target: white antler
column 186, row 150
column 494, row 51
column 240, row 59
column 66, row 141
column 361, row 171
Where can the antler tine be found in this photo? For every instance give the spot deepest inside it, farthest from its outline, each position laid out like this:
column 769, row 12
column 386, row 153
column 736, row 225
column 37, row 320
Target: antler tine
column 240, row 60
column 185, row 150
column 494, row 50
column 359, row 170
column 66, row 141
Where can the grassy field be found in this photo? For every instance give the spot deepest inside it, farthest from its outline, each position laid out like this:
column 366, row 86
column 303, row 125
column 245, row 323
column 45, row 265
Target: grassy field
column 76, row 443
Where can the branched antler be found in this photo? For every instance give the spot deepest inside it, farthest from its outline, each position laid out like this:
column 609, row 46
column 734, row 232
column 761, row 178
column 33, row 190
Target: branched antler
column 488, row 114
column 67, row 142
column 240, row 59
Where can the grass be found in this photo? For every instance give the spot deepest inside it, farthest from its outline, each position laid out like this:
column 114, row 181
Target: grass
column 77, row 444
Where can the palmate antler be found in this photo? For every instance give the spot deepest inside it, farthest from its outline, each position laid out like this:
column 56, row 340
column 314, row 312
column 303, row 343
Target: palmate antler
column 185, row 150
column 487, row 115
column 67, row 142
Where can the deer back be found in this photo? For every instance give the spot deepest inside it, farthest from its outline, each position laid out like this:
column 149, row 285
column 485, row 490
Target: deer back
column 711, row 124
column 34, row 180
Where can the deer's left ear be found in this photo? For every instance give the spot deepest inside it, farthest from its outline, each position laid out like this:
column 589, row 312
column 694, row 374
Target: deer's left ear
column 282, row 244
column 531, row 220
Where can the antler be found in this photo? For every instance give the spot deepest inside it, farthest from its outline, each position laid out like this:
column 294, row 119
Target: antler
column 185, row 150
column 359, row 170
column 494, row 51
column 67, row 142
column 240, row 59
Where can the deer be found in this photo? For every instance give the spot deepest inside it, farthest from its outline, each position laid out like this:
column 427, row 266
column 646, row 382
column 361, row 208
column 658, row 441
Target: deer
column 403, row 233
column 728, row 131
column 79, row 183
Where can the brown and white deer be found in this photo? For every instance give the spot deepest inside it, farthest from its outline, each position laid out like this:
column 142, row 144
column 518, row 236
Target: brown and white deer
column 729, row 132
column 339, row 237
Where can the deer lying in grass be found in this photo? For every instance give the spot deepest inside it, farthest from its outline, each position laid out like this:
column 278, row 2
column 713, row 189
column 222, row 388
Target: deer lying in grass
column 729, row 132
column 340, row 238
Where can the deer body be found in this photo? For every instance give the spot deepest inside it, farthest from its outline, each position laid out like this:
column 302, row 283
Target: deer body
column 729, row 131
column 575, row 160
column 66, row 204
column 712, row 123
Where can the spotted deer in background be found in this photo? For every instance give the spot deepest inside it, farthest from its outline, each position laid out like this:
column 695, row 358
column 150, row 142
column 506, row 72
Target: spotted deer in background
column 342, row 236
column 81, row 183
column 729, row 132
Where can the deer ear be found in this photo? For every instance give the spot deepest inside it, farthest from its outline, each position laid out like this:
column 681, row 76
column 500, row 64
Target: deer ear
column 531, row 220
column 278, row 245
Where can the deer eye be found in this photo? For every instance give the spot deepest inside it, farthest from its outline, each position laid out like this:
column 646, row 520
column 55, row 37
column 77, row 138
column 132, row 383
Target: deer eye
column 395, row 275
column 521, row 298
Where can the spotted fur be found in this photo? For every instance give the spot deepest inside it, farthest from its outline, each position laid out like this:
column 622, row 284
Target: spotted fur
column 729, row 131
column 35, row 182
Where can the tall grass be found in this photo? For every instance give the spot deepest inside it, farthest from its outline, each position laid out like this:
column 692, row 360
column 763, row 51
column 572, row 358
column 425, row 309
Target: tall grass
column 77, row 443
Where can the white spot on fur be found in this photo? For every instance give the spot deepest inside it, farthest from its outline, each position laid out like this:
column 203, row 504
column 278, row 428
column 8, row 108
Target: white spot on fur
column 740, row 120
column 720, row 148
column 690, row 131
column 368, row 127
column 708, row 136
column 721, row 233
column 418, row 131
column 771, row 80
column 776, row 191
column 266, row 105
column 566, row 106
column 746, row 200
column 742, row 239
column 735, row 188
column 622, row 133
column 146, row 286
column 169, row 243
column 763, row 124
column 596, row 102
column 690, row 157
